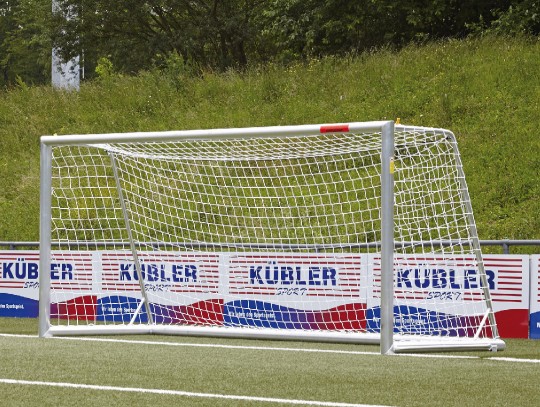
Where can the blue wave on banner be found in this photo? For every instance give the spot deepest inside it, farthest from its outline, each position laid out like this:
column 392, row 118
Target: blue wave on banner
column 17, row 306
column 264, row 315
column 119, row 308
column 267, row 315
column 122, row 308
column 535, row 325
column 414, row 320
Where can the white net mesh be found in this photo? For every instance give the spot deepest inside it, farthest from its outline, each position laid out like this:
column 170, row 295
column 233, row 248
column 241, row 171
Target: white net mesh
column 275, row 232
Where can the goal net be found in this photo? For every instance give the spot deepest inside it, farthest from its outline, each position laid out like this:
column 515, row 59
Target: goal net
column 359, row 232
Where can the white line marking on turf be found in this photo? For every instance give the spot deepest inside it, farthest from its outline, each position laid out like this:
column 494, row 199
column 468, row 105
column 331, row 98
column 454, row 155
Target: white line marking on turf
column 186, row 393
column 270, row 348
column 501, row 359
column 243, row 347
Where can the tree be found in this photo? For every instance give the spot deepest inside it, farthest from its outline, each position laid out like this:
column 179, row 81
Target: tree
column 133, row 33
column 306, row 28
column 25, row 47
column 522, row 17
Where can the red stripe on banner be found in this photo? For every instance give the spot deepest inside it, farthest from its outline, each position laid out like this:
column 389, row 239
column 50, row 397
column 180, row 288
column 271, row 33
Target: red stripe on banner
column 331, row 295
column 208, row 312
column 513, row 323
column 11, row 285
column 348, row 316
column 80, row 308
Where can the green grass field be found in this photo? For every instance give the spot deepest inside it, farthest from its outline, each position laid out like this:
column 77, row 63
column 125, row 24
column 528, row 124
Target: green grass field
column 218, row 372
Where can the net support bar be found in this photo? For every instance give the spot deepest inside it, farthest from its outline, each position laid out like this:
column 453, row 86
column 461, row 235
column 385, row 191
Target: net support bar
column 136, row 261
column 137, row 312
column 475, row 241
column 482, row 323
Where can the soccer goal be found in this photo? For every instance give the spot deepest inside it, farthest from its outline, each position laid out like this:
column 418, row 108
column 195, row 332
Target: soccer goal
column 358, row 232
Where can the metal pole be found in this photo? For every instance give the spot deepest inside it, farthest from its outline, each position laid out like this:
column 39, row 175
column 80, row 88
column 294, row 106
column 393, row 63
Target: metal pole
column 131, row 242
column 45, row 240
column 473, row 233
column 64, row 75
column 387, row 239
column 506, row 246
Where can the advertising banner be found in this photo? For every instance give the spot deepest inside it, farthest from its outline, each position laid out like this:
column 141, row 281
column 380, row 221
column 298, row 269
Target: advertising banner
column 535, row 297
column 508, row 278
column 19, row 279
column 296, row 291
column 268, row 289
column 427, row 286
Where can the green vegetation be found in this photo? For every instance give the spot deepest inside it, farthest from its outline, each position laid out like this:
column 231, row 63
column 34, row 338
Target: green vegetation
column 487, row 91
column 132, row 36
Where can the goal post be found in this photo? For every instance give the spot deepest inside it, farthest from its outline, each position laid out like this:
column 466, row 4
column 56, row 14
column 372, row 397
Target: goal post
column 355, row 232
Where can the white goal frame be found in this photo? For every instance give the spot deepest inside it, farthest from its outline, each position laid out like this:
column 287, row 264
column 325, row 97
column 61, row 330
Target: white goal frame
column 389, row 342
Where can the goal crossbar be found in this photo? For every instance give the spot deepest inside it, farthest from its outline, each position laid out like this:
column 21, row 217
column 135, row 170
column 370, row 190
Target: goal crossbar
column 209, row 134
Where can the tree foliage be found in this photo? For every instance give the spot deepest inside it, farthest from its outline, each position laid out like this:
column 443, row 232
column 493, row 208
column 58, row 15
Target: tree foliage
column 135, row 35
column 25, row 46
column 312, row 27
column 520, row 18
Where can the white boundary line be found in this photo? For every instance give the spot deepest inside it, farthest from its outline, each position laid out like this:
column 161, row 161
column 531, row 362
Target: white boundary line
column 185, row 393
column 242, row 347
column 276, row 349
column 502, row 359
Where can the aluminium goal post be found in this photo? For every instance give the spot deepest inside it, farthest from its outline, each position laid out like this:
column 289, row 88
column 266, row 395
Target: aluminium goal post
column 358, row 232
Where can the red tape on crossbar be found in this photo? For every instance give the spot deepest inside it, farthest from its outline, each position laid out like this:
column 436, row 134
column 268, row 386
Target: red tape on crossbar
column 335, row 128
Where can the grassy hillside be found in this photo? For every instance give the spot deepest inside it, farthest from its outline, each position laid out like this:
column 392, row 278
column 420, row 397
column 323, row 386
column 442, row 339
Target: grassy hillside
column 487, row 91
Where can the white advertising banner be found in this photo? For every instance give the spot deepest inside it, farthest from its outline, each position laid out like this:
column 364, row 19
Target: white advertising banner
column 274, row 284
column 535, row 297
column 508, row 278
